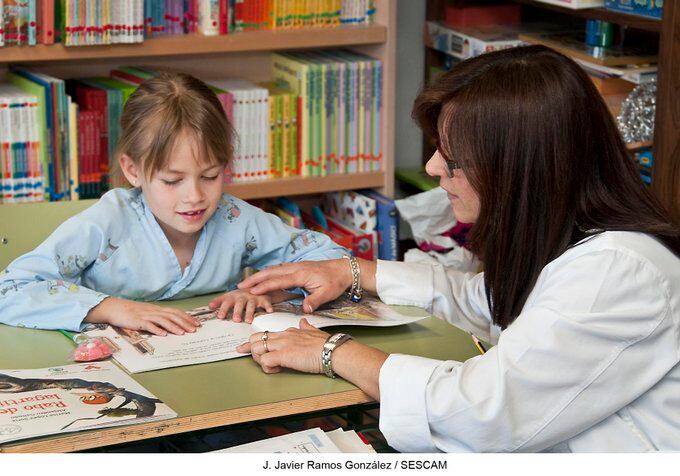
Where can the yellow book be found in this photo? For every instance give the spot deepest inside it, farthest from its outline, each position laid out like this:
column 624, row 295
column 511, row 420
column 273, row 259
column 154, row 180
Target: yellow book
column 285, row 133
column 361, row 116
column 295, row 76
column 73, row 148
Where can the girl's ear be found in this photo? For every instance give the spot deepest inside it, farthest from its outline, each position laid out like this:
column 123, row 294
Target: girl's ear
column 130, row 169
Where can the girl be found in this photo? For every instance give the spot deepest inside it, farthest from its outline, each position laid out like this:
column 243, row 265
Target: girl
column 172, row 236
column 581, row 289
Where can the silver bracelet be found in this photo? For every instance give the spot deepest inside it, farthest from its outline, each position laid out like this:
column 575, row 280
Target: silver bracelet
column 329, row 346
column 355, row 292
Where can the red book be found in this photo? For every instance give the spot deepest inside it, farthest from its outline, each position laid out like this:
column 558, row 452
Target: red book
column 45, row 17
column 126, row 77
column 363, row 243
column 338, row 238
column 95, row 99
column 224, row 17
column 459, row 17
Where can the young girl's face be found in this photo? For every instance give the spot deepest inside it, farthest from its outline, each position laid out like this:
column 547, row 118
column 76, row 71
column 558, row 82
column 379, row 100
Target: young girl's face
column 464, row 200
column 185, row 193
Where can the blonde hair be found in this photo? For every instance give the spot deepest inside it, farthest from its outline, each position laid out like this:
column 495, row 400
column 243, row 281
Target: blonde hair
column 163, row 108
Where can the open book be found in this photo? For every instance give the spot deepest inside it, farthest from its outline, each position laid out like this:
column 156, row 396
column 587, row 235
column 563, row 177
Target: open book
column 217, row 339
column 307, row 441
column 75, row 397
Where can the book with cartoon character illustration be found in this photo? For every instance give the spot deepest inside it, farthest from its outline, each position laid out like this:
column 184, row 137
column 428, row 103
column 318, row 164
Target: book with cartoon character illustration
column 76, row 397
column 217, row 339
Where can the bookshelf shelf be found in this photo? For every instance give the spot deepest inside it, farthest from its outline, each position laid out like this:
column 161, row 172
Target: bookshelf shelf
column 182, row 45
column 301, row 186
column 633, row 21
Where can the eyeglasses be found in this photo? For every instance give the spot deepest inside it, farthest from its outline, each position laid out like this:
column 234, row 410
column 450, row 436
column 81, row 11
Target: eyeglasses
column 451, row 165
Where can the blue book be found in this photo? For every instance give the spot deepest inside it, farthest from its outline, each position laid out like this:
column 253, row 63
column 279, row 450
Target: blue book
column 388, row 225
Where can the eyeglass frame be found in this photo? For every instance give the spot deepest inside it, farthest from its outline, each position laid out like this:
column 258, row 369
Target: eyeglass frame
column 451, row 165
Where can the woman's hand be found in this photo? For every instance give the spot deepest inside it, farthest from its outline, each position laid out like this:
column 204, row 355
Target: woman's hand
column 240, row 301
column 142, row 316
column 324, row 280
column 297, row 349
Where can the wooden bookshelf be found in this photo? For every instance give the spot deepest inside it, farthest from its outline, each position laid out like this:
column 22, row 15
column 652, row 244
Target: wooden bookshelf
column 666, row 145
column 301, row 186
column 633, row 21
column 182, row 45
column 245, row 55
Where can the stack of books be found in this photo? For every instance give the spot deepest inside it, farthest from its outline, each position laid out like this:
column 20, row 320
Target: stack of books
column 320, row 116
column 365, row 222
column 105, row 22
column 314, row 440
column 340, row 110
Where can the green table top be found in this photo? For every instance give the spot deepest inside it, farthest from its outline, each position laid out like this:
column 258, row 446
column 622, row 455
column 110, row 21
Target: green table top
column 237, row 383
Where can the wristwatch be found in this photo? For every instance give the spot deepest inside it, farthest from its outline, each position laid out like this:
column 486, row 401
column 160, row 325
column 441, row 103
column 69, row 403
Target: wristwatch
column 329, row 346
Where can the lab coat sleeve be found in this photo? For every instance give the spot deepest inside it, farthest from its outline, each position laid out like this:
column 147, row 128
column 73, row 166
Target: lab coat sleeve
column 599, row 333
column 452, row 295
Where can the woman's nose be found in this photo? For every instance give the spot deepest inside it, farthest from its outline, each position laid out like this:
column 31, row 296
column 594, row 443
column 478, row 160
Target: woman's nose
column 434, row 166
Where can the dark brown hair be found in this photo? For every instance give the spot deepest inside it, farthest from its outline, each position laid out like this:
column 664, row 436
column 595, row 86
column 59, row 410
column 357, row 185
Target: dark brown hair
column 163, row 107
column 539, row 146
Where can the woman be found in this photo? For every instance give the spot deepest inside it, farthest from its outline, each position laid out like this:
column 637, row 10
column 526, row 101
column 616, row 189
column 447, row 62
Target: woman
column 581, row 289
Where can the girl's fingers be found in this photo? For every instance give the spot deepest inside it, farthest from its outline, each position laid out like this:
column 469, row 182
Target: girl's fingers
column 166, row 323
column 225, row 306
column 250, row 310
column 237, row 313
column 267, row 305
column 152, row 328
column 217, row 302
column 182, row 320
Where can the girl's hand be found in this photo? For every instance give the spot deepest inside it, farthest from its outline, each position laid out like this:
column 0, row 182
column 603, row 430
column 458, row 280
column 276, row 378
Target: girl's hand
column 142, row 316
column 240, row 301
column 324, row 280
column 297, row 349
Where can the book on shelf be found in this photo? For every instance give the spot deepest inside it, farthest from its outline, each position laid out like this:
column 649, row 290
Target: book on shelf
column 313, row 440
column 68, row 398
column 634, row 73
column 106, row 22
column 322, row 115
column 340, row 109
column 647, row 8
column 571, row 43
column 217, row 339
column 368, row 212
column 467, row 42
column 574, row 4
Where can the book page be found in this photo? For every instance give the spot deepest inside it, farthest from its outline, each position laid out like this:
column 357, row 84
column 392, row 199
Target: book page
column 70, row 398
column 217, row 339
column 307, row 441
column 140, row 351
column 370, row 312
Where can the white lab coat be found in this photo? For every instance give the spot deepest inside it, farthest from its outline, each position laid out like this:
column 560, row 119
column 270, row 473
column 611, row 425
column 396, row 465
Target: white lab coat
column 590, row 364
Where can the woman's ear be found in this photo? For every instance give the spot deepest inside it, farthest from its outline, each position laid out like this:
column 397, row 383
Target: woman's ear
column 130, row 169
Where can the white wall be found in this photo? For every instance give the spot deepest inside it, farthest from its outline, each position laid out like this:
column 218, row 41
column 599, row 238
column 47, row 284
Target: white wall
column 410, row 76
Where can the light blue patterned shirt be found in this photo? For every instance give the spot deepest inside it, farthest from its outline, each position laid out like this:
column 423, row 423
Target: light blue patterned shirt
column 117, row 248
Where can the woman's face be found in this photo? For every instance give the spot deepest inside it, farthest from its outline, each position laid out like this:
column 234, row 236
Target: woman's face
column 464, row 200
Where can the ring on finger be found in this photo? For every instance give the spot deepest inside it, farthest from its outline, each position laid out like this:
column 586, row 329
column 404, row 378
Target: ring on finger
column 265, row 337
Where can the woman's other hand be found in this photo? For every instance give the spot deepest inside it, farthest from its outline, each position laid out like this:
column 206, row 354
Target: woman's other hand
column 297, row 349
column 324, row 280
